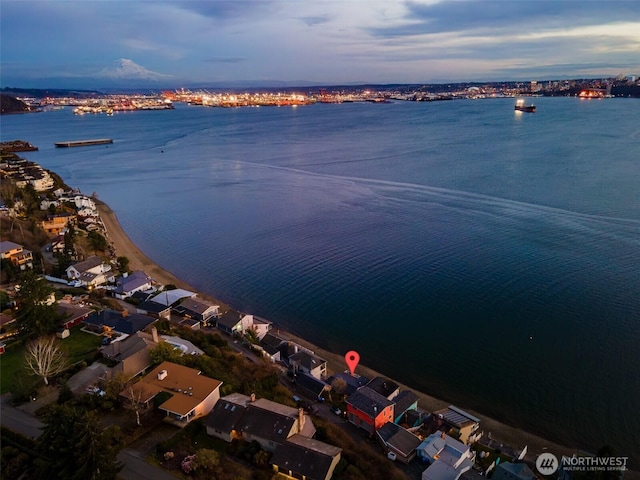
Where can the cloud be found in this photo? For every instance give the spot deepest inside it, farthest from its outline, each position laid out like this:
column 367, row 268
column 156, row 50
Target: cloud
column 225, row 60
column 312, row 21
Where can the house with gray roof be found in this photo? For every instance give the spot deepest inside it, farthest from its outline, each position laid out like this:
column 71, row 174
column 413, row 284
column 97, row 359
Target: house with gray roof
column 309, row 386
column 128, row 284
column 406, row 400
column 307, row 362
column 198, row 309
column 302, row 457
column 268, row 423
column 384, row 387
column 513, row 471
column 401, row 442
column 222, row 420
column 369, row 410
column 448, row 457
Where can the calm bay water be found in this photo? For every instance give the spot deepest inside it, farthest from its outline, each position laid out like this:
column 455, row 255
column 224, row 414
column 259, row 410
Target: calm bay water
column 484, row 256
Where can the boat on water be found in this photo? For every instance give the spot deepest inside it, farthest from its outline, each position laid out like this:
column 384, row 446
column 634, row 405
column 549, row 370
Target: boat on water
column 522, row 107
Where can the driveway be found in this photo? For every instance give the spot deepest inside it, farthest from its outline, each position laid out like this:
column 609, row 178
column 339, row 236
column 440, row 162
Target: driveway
column 19, row 421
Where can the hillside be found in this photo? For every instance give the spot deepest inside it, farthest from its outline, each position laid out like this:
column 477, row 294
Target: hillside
column 10, row 104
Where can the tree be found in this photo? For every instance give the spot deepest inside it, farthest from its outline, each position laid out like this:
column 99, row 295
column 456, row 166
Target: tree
column 123, row 264
column 206, row 459
column 164, row 351
column 44, row 359
column 34, row 315
column 98, row 242
column 75, row 446
column 137, row 402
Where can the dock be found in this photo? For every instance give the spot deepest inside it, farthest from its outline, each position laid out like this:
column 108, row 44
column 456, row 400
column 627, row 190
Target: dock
column 84, row 143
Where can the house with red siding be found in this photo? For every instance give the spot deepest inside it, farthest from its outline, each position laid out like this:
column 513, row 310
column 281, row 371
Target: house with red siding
column 369, row 410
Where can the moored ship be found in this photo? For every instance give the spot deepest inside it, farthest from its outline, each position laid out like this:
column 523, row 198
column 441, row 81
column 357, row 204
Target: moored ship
column 521, row 107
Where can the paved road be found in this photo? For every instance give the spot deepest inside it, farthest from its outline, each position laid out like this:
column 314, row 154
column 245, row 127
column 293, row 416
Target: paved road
column 135, row 468
column 17, row 420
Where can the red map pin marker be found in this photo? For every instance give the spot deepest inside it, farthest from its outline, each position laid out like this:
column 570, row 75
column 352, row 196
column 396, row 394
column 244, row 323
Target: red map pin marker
column 352, row 358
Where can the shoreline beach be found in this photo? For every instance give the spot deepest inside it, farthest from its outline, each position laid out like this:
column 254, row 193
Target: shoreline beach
column 500, row 432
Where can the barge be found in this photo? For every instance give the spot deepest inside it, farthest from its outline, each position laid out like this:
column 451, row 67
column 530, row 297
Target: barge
column 84, row 143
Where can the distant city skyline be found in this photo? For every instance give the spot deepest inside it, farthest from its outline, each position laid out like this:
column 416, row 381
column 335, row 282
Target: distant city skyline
column 176, row 43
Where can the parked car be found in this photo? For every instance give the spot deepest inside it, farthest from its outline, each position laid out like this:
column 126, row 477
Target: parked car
column 336, row 410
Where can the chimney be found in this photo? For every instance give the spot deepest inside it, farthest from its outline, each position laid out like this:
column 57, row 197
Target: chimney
column 125, row 313
column 300, row 419
column 162, row 374
column 253, row 397
column 154, row 335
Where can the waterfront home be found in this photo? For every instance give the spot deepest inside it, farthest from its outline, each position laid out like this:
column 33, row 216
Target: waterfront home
column 447, row 457
column 513, row 471
column 192, row 395
column 270, row 344
column 352, row 382
column 456, row 422
column 198, row 309
column 369, row 410
column 384, row 387
column 395, row 439
column 152, row 309
column 16, row 254
column 169, row 298
column 90, row 272
column 405, row 401
column 306, row 362
column 236, row 323
column 305, row 458
column 268, row 423
column 128, row 284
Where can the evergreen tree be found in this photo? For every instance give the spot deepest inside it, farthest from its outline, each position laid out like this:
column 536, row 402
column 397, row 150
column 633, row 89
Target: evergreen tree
column 34, row 316
column 74, row 446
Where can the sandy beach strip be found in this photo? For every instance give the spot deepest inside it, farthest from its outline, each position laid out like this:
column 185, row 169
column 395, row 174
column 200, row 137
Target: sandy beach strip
column 500, row 432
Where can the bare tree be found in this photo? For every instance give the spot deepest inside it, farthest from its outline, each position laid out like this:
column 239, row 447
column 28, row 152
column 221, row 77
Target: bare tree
column 44, row 358
column 137, row 403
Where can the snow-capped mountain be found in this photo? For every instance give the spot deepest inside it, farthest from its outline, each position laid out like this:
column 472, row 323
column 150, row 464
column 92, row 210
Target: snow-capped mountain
column 126, row 69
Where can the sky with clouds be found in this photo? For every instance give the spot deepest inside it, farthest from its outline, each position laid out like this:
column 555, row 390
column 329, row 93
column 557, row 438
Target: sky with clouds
column 317, row 41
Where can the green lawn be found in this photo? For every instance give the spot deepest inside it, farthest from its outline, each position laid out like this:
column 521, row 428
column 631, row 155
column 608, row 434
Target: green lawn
column 78, row 346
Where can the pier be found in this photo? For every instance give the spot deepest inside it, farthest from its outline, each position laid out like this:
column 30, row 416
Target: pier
column 84, row 143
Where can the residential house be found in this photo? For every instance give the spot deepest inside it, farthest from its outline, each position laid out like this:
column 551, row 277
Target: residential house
column 456, row 422
column 405, row 401
column 384, row 387
column 402, row 443
column 198, row 309
column 192, row 395
column 305, row 458
column 309, row 386
column 270, row 344
column 448, row 458
column 513, row 471
column 90, row 272
column 127, row 285
column 72, row 314
column 235, row 323
column 171, row 297
column 351, row 382
column 17, row 254
column 369, row 410
column 152, row 309
column 122, row 322
column 222, row 420
column 308, row 362
column 268, row 423
column 57, row 223
column 132, row 353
